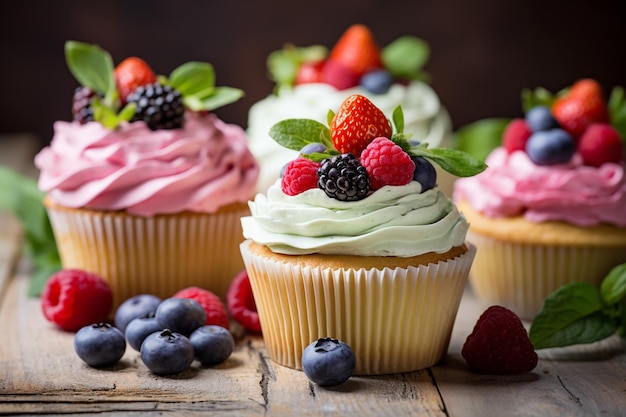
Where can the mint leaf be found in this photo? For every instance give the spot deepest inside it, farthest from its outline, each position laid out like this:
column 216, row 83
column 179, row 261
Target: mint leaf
column 537, row 97
column 458, row 163
column 405, row 57
column 92, row 67
column 330, row 116
column 570, row 315
column 193, row 79
column 296, row 133
column 613, row 287
column 398, row 119
column 221, row 96
column 481, row 137
column 617, row 110
column 283, row 64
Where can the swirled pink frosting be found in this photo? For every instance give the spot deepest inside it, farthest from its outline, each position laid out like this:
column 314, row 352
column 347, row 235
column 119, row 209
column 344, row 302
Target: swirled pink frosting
column 513, row 185
column 202, row 167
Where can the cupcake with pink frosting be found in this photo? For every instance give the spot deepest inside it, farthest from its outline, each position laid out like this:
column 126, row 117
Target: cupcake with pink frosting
column 146, row 186
column 550, row 209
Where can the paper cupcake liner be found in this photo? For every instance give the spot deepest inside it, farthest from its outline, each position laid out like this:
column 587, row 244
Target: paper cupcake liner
column 158, row 255
column 520, row 276
column 395, row 320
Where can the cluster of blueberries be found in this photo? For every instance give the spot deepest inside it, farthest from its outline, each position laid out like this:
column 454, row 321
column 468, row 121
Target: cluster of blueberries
column 548, row 144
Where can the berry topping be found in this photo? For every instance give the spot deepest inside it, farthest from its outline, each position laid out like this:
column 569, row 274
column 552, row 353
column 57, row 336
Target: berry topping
column 160, row 106
column 516, row 135
column 133, row 307
column 342, row 177
column 240, row 302
column 387, row 164
column 131, row 73
column 377, row 81
column 581, row 106
column 339, row 75
column 214, row 308
column 310, row 72
column 357, row 50
column 599, row 144
column 499, row 344
column 99, row 344
column 74, row 298
column 300, row 175
column 540, row 118
column 328, row 362
column 212, row 345
column 140, row 328
column 167, row 352
column 313, row 148
column 424, row 173
column 357, row 122
column 181, row 315
column 82, row 104
column 550, row 147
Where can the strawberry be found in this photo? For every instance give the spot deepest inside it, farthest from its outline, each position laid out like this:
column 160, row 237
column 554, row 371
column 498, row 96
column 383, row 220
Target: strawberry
column 599, row 144
column 310, row 72
column 357, row 50
column 581, row 106
column 499, row 344
column 516, row 135
column 131, row 73
column 357, row 122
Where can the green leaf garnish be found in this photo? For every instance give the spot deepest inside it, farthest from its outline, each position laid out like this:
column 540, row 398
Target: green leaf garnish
column 283, row 64
column 456, row 162
column 92, row 66
column 398, row 119
column 193, row 79
column 481, row 137
column 294, row 134
column 221, row 96
column 405, row 57
column 617, row 110
column 613, row 287
column 537, row 97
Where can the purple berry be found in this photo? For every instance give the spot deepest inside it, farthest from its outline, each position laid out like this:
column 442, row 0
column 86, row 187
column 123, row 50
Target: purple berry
column 424, row 173
column 377, row 81
column 99, row 344
column 181, row 315
column 140, row 328
column 540, row 118
column 313, row 148
column 166, row 352
column 328, row 362
column 212, row 344
column 134, row 307
column 550, row 147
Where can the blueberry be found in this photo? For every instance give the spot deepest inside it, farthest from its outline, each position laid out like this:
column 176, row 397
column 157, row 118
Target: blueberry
column 550, row 147
column 140, row 328
column 540, row 118
column 134, row 307
column 181, row 315
column 166, row 352
column 377, row 81
column 424, row 173
column 313, row 148
column 212, row 344
column 328, row 362
column 99, row 344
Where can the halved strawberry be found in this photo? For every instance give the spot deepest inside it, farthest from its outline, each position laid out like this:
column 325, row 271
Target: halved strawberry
column 357, row 50
column 357, row 122
column 131, row 73
column 581, row 106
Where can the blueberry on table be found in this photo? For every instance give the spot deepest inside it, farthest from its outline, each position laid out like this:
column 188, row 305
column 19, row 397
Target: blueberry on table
column 181, row 315
column 134, row 307
column 99, row 344
column 328, row 362
column 167, row 352
column 212, row 344
column 140, row 328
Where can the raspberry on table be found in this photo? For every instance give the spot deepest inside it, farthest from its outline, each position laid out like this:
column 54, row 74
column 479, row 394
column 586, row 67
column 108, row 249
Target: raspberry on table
column 240, row 302
column 387, row 163
column 73, row 298
column 300, row 175
column 215, row 310
column 499, row 344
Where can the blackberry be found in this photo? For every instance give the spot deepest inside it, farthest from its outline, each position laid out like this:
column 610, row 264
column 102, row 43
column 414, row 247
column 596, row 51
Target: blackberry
column 81, row 104
column 160, row 106
column 344, row 178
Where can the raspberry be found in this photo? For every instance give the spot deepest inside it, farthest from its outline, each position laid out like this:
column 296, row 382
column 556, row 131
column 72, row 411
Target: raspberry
column 387, row 164
column 215, row 311
column 240, row 302
column 300, row 175
column 73, row 298
column 516, row 135
column 342, row 177
column 600, row 143
column 499, row 344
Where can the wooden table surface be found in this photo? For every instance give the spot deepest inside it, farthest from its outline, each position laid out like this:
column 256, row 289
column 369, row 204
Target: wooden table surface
column 41, row 374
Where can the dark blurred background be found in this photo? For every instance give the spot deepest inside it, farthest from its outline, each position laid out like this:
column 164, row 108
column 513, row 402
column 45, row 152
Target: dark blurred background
column 483, row 52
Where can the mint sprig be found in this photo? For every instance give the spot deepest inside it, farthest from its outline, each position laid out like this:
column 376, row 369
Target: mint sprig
column 579, row 312
column 283, row 64
column 405, row 57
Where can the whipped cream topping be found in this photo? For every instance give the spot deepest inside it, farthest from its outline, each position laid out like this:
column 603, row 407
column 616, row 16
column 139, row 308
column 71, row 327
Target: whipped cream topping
column 392, row 221
column 202, row 167
column 424, row 117
column 513, row 185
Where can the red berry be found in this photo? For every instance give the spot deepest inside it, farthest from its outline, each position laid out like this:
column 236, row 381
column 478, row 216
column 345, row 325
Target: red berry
column 310, row 72
column 581, row 106
column 357, row 50
column 131, row 73
column 216, row 313
column 339, row 75
column 73, row 298
column 387, row 164
column 300, row 175
column 240, row 302
column 357, row 122
column 599, row 144
column 499, row 344
column 516, row 135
